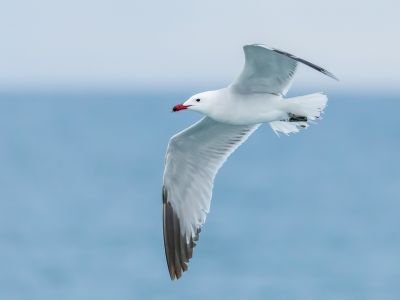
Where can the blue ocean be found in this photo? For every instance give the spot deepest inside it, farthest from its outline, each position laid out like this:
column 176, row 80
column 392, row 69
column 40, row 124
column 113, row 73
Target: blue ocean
column 311, row 216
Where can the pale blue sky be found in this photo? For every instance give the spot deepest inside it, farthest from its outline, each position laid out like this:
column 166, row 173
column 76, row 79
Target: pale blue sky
column 127, row 43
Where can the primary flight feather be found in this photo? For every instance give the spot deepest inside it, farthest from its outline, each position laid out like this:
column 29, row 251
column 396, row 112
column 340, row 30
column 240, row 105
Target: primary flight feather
column 232, row 114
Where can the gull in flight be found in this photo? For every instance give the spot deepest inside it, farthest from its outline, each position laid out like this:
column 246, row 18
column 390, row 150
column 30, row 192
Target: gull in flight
column 231, row 115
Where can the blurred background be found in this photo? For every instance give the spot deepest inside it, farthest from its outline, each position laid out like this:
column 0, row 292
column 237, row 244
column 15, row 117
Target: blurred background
column 86, row 89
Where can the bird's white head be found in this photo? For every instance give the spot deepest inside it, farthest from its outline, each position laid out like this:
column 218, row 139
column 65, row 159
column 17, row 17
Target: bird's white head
column 201, row 102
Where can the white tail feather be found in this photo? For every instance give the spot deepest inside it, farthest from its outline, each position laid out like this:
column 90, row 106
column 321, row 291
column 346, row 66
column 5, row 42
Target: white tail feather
column 287, row 127
column 310, row 106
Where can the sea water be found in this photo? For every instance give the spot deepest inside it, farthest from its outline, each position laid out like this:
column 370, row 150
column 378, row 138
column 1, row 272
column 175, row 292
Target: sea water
column 311, row 216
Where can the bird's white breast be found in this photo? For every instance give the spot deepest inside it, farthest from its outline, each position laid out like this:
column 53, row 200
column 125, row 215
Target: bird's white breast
column 244, row 109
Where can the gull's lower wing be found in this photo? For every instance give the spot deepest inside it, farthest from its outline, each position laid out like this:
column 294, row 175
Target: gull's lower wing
column 193, row 158
column 269, row 70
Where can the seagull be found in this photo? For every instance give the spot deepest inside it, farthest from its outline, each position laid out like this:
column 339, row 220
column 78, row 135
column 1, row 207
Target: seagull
column 231, row 115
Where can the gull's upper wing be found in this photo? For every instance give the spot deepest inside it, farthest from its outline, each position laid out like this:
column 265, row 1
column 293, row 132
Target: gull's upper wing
column 269, row 70
column 193, row 158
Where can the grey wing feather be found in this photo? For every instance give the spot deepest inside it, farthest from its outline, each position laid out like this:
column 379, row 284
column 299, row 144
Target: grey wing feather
column 192, row 161
column 269, row 70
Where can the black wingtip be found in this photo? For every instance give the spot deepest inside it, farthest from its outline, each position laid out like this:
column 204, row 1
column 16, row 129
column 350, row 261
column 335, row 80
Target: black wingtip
column 329, row 74
column 177, row 250
column 307, row 63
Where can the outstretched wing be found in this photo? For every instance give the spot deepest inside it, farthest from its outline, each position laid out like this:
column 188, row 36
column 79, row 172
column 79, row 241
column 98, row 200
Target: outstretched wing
column 269, row 70
column 193, row 158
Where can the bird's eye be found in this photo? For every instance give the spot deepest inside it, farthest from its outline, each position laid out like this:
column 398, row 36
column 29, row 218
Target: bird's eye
column 197, row 100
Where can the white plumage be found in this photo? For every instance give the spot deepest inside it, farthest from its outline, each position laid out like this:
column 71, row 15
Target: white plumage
column 232, row 114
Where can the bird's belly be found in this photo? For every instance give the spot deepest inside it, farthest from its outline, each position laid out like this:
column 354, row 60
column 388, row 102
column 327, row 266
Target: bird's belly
column 251, row 119
column 252, row 112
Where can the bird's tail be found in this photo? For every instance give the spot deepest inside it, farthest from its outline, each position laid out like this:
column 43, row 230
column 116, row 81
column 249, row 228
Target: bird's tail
column 301, row 110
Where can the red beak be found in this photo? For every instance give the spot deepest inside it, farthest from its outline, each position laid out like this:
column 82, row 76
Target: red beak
column 179, row 107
